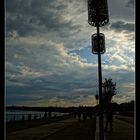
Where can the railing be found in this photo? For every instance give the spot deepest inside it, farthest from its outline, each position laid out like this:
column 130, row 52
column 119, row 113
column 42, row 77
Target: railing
column 12, row 117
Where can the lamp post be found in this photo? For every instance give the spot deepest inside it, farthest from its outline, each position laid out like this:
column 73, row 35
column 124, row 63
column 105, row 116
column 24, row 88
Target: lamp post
column 98, row 17
column 97, row 97
column 97, row 104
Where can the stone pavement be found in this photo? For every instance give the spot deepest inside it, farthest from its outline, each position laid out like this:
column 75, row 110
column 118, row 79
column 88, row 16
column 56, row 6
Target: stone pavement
column 121, row 130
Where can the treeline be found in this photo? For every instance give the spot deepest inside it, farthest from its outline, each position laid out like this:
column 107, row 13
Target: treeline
column 127, row 109
column 52, row 109
column 123, row 108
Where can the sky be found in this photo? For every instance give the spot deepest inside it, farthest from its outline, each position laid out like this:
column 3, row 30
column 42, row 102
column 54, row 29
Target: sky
column 48, row 58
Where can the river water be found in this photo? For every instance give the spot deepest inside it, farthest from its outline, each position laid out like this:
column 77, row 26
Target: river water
column 15, row 115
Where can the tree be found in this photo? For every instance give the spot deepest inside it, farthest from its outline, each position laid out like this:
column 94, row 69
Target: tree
column 109, row 90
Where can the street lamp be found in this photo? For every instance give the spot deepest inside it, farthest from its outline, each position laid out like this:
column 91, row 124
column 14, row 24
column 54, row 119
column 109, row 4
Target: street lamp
column 98, row 12
column 94, row 39
column 98, row 17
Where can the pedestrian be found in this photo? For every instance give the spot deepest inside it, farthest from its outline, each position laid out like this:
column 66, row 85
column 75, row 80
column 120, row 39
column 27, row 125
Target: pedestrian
column 45, row 115
column 23, row 118
column 84, row 116
column 79, row 115
column 50, row 114
column 29, row 117
column 109, row 117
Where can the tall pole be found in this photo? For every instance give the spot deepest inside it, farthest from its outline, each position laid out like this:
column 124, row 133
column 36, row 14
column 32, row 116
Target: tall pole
column 98, row 16
column 101, row 122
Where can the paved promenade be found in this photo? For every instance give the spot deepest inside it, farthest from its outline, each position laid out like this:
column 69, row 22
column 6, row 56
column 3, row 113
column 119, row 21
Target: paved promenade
column 122, row 130
column 78, row 131
column 72, row 129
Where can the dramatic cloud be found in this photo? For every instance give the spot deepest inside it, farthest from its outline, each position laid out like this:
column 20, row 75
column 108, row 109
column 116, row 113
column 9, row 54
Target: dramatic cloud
column 122, row 26
column 48, row 52
column 130, row 3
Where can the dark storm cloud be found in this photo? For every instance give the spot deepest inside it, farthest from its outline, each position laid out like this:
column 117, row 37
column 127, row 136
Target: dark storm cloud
column 122, row 26
column 49, row 87
column 37, row 16
column 52, row 84
column 119, row 10
column 130, row 3
column 39, row 34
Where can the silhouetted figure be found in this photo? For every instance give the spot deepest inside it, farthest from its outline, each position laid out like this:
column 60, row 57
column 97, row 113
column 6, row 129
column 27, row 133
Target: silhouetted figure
column 45, row 115
column 90, row 115
column 50, row 114
column 35, row 117
column 74, row 114
column 40, row 116
column 109, row 117
column 79, row 115
column 84, row 116
column 23, row 118
column 29, row 117
column 14, row 117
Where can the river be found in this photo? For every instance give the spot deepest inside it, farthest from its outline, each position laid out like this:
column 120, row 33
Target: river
column 16, row 115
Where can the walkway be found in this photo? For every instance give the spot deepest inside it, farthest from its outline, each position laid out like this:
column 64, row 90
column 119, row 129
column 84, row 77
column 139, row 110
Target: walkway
column 122, row 130
column 70, row 129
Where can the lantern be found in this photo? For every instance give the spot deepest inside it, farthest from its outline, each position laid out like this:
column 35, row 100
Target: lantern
column 95, row 43
column 98, row 12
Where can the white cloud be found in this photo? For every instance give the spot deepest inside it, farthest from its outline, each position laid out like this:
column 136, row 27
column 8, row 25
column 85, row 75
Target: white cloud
column 123, row 99
column 118, row 58
column 81, row 101
column 40, row 36
column 27, row 71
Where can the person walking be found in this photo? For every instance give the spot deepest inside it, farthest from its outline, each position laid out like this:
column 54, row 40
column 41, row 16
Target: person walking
column 109, row 118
